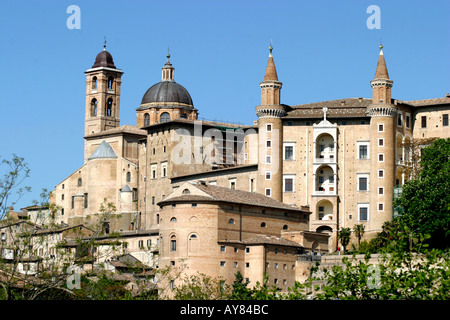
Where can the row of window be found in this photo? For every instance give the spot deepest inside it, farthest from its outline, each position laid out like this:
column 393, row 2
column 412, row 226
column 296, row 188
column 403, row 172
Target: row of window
column 445, row 122
column 108, row 107
column 154, row 170
column 95, row 83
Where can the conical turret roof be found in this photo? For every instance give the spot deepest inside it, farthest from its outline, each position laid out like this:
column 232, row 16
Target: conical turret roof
column 271, row 71
column 381, row 72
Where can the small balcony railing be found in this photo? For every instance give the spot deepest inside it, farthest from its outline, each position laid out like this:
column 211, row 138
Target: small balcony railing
column 325, row 160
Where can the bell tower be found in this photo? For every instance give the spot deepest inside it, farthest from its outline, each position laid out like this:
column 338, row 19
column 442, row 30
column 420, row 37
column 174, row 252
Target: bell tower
column 103, row 83
column 270, row 128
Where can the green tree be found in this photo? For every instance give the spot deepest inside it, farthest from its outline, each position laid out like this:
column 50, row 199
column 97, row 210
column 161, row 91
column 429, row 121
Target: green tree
column 425, row 201
column 13, row 172
column 201, row 287
column 358, row 229
column 399, row 275
column 344, row 237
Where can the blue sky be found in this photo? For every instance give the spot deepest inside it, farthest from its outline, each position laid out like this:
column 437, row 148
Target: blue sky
column 323, row 50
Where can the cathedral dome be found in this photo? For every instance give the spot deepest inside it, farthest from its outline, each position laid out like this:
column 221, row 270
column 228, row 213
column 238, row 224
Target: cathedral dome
column 104, row 59
column 167, row 92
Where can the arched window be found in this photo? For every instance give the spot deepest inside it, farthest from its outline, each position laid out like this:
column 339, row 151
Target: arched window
column 285, row 227
column 94, row 83
column 128, row 176
column 173, row 243
column 263, row 225
column 109, row 107
column 173, row 219
column 93, row 107
column 183, row 116
column 186, row 191
column 110, row 83
column 165, row 117
column 231, row 221
column 193, row 243
column 80, row 182
column 106, row 228
column 146, row 119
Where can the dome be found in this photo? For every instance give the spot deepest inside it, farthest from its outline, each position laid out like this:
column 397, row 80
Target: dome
column 104, row 59
column 167, row 92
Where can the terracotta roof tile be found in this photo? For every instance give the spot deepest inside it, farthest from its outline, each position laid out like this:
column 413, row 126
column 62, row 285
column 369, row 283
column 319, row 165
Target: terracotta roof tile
column 262, row 239
column 340, row 108
column 429, row 102
column 221, row 194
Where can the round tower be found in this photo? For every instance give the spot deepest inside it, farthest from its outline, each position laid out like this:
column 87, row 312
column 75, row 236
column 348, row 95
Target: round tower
column 382, row 146
column 270, row 128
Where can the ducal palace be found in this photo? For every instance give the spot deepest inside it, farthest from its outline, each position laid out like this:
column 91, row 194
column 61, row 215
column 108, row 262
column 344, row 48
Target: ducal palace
column 223, row 197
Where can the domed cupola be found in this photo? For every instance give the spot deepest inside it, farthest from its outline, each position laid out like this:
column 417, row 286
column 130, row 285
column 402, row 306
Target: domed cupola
column 165, row 100
column 104, row 59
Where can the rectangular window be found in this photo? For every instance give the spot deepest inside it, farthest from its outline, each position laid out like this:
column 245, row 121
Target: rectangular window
column 399, row 119
column 268, row 175
column 381, row 142
column 173, row 245
column 153, row 169
column 268, row 144
column 85, row 200
column 381, row 128
column 288, row 183
column 268, row 192
column 424, row 121
column 362, row 184
column 380, row 157
column 380, row 173
column 222, row 248
column 408, row 121
column 288, row 152
column 363, row 213
column 445, row 120
column 363, row 152
column 268, row 159
column 381, row 207
column 163, row 169
column 380, row 190
column 269, row 127
column 232, row 182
